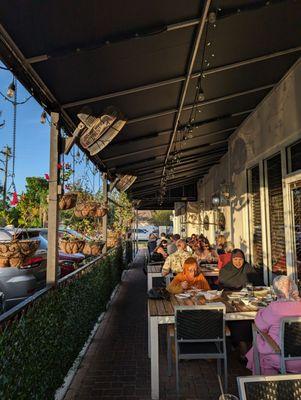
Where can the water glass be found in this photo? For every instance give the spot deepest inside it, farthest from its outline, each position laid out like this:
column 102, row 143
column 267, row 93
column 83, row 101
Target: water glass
column 249, row 287
column 227, row 397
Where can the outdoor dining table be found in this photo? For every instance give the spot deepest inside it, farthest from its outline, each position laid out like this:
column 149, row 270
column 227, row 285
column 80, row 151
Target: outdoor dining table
column 161, row 312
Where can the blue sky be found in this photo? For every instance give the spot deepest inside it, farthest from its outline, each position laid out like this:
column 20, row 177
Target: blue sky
column 32, row 139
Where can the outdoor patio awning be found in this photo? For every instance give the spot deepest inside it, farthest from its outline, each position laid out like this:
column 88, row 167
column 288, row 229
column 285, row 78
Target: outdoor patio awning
column 136, row 55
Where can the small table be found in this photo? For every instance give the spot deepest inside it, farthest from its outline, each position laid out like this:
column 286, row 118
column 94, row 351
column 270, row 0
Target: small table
column 162, row 312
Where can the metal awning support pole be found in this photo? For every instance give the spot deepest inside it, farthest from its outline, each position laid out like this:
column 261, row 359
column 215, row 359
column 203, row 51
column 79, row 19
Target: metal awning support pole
column 105, row 218
column 53, row 212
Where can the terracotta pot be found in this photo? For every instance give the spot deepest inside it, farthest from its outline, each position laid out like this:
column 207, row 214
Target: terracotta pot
column 67, row 201
column 93, row 248
column 71, row 246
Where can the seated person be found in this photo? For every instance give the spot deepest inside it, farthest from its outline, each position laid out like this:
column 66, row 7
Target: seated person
column 268, row 320
column 206, row 254
column 172, row 246
column 152, row 243
column 160, row 252
column 224, row 259
column 237, row 273
column 174, row 262
column 220, row 244
column 188, row 278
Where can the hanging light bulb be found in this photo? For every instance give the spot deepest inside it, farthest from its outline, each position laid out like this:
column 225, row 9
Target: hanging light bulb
column 11, row 90
column 43, row 117
column 201, row 95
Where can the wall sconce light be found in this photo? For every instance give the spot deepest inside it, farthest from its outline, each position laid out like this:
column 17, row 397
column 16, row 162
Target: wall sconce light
column 215, row 200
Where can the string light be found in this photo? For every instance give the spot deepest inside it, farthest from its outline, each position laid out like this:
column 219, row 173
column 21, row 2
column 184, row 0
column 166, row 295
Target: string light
column 11, row 90
column 43, row 117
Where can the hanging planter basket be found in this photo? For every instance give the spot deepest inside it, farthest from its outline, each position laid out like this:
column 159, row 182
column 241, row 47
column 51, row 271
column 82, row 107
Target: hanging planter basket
column 85, row 210
column 93, row 248
column 68, row 201
column 90, row 209
column 71, row 246
column 15, row 252
column 101, row 211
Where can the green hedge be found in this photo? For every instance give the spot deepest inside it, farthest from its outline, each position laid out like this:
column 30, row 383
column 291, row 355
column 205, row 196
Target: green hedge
column 37, row 351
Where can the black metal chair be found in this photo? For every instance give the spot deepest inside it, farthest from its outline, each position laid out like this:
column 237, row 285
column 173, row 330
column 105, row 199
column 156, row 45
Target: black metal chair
column 275, row 387
column 200, row 334
column 290, row 343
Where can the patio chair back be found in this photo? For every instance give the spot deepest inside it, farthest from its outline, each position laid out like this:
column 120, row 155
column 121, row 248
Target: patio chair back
column 290, row 340
column 200, row 334
column 200, row 324
column 276, row 387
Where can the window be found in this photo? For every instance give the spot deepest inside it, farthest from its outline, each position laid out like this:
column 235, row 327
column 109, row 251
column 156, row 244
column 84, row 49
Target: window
column 275, row 197
column 294, row 157
column 255, row 213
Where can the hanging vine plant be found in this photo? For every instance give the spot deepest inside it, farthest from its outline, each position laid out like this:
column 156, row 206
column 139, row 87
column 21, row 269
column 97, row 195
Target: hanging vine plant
column 206, row 223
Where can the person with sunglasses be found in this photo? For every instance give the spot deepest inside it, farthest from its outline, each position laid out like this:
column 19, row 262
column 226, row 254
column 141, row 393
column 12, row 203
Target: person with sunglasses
column 206, row 254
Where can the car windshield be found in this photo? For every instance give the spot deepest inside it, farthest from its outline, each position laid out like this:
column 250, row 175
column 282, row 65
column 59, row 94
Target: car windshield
column 43, row 243
column 4, row 235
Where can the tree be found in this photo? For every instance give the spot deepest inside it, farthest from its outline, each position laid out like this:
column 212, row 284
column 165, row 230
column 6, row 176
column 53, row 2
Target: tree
column 33, row 204
column 161, row 218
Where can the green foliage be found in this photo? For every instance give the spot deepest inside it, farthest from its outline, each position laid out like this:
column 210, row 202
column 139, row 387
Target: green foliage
column 33, row 203
column 37, row 351
column 161, row 218
column 123, row 215
column 9, row 216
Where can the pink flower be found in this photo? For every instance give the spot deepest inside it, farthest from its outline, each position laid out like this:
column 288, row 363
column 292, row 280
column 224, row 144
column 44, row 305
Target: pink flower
column 47, row 177
column 59, row 166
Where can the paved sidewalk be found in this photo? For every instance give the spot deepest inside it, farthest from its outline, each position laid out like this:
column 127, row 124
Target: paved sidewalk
column 116, row 365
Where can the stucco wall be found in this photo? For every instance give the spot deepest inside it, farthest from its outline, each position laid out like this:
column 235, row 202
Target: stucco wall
column 276, row 121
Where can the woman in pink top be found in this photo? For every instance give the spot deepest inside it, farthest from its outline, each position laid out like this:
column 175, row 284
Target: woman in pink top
column 268, row 320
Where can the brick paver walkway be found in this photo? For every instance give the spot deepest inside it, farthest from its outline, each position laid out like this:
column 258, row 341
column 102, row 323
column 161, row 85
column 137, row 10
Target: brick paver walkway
column 116, row 365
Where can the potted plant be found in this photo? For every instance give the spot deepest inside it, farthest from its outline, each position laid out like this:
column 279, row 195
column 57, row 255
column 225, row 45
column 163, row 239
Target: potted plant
column 93, row 247
column 71, row 244
column 68, row 200
column 15, row 252
column 89, row 206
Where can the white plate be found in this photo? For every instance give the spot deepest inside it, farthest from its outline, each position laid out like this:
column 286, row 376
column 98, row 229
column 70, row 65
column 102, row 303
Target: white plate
column 183, row 295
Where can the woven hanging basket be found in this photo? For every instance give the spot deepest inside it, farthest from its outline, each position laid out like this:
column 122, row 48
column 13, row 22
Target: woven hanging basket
column 93, row 248
column 28, row 247
column 68, row 201
column 85, row 210
column 15, row 252
column 9, row 249
column 101, row 211
column 71, row 246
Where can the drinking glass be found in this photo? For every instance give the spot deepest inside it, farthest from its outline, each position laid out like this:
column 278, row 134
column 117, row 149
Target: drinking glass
column 272, row 292
column 249, row 287
column 227, row 397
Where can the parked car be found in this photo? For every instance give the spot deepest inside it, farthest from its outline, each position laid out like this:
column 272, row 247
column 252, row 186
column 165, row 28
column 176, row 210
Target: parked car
column 143, row 234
